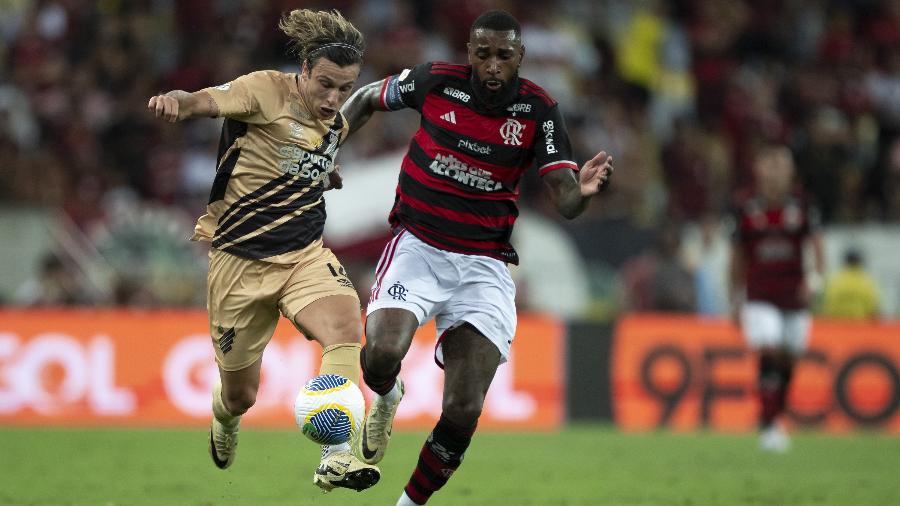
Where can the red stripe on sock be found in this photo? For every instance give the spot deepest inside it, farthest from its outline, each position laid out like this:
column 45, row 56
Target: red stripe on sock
column 432, row 460
column 415, row 495
column 424, row 481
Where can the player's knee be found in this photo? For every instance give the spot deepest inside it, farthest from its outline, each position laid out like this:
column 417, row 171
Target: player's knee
column 346, row 332
column 384, row 354
column 239, row 400
column 463, row 410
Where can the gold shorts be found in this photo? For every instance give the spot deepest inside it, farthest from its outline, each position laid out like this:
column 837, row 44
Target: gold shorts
column 245, row 297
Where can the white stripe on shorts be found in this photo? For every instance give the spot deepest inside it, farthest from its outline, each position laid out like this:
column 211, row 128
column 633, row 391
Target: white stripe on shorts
column 386, row 258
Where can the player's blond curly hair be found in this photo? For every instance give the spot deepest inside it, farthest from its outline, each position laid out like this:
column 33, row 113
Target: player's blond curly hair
column 315, row 34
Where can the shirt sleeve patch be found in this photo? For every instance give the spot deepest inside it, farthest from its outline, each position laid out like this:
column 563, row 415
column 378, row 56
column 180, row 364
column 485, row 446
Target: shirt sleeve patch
column 391, row 97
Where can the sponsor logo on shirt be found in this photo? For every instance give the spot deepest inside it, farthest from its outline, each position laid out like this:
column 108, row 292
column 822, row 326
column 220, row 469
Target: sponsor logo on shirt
column 519, row 108
column 451, row 167
column 474, row 147
column 548, row 136
column 457, row 94
column 298, row 161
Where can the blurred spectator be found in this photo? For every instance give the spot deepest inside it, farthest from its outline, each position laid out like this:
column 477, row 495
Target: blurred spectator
column 851, row 293
column 707, row 250
column 560, row 53
column 696, row 171
column 55, row 284
column 822, row 76
column 882, row 84
column 824, row 165
column 660, row 280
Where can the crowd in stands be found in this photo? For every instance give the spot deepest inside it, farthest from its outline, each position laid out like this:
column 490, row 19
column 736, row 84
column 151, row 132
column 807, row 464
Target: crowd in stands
column 681, row 91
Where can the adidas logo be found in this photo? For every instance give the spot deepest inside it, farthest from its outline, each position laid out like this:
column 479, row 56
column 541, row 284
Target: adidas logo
column 450, row 116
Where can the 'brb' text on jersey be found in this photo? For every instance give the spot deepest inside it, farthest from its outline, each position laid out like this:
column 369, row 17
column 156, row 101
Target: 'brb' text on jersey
column 459, row 180
column 772, row 239
column 266, row 201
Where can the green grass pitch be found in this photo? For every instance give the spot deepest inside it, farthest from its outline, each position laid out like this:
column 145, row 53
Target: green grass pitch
column 587, row 465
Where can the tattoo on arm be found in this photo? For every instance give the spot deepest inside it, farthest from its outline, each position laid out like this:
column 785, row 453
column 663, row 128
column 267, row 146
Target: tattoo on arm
column 566, row 192
column 359, row 107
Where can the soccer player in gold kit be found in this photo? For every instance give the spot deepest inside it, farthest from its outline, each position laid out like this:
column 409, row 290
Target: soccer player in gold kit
column 265, row 218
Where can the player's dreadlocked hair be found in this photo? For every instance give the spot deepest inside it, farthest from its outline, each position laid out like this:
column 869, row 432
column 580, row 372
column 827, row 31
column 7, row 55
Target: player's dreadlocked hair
column 315, row 34
column 497, row 20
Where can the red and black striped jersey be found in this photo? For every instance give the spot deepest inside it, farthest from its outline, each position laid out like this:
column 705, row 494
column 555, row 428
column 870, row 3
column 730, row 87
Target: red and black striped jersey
column 459, row 180
column 772, row 239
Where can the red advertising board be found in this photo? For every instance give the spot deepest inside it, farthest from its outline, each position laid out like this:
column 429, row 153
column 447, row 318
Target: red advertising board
column 156, row 368
column 686, row 373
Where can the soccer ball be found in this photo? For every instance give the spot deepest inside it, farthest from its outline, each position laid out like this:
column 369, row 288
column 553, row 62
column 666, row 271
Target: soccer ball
column 329, row 409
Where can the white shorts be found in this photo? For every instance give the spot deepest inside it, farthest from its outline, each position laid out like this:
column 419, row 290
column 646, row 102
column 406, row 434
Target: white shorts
column 767, row 326
column 450, row 287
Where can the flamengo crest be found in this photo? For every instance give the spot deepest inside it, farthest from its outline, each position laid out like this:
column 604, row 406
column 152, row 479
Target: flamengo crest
column 511, row 131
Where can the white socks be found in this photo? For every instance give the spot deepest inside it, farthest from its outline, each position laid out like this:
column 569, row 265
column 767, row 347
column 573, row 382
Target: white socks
column 328, row 450
column 406, row 501
column 394, row 395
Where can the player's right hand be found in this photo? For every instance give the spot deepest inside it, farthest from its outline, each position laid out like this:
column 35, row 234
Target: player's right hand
column 163, row 106
column 335, row 180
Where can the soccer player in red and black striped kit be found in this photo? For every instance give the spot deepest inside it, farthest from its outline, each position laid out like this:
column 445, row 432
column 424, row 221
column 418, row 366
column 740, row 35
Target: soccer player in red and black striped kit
column 770, row 291
column 481, row 127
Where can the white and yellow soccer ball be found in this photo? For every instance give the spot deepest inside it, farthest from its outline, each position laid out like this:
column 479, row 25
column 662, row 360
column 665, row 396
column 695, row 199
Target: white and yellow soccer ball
column 329, row 409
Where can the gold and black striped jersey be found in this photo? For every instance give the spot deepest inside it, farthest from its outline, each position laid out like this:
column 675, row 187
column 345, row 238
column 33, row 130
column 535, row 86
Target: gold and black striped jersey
column 274, row 159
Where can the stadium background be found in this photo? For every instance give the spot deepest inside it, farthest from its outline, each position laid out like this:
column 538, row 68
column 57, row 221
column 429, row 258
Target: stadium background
column 623, row 308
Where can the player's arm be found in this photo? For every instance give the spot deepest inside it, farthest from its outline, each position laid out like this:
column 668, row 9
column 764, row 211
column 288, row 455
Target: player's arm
column 572, row 193
column 359, row 107
column 570, row 188
column 399, row 91
column 178, row 105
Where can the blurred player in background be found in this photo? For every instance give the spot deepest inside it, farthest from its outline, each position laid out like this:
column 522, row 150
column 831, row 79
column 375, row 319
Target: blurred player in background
column 770, row 292
column 481, row 127
column 265, row 219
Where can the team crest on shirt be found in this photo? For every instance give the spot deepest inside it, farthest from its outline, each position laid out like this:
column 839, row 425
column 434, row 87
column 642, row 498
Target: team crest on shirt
column 296, row 130
column 511, row 131
column 329, row 140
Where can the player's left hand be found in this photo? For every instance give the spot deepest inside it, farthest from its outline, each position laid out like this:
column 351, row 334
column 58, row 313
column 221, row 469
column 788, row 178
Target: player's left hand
column 335, row 181
column 595, row 173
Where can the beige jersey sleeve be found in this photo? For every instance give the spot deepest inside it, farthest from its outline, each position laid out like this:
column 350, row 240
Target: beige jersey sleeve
column 244, row 98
